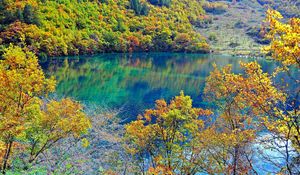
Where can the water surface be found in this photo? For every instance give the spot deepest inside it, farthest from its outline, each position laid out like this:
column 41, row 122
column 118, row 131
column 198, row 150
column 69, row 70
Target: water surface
column 134, row 81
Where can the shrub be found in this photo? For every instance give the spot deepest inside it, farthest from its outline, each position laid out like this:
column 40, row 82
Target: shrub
column 202, row 22
column 212, row 37
column 255, row 34
column 240, row 24
column 233, row 44
column 215, row 7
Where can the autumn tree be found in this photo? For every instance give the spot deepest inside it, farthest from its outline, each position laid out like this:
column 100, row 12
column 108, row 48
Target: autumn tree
column 29, row 123
column 250, row 104
column 88, row 27
column 238, row 118
column 285, row 38
column 164, row 139
column 284, row 121
column 274, row 106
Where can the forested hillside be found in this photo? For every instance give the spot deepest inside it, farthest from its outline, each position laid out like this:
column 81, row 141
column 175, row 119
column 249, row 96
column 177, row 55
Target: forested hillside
column 72, row 27
column 76, row 27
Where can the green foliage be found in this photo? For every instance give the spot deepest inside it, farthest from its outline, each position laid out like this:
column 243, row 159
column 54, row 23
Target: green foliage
column 139, row 8
column 240, row 24
column 212, row 37
column 6, row 16
column 168, row 134
column 29, row 125
column 257, row 34
column 74, row 27
column 215, row 7
column 166, row 3
column 29, row 16
column 202, row 22
column 233, row 44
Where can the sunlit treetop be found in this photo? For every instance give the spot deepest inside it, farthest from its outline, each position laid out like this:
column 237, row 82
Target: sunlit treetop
column 21, row 82
column 167, row 133
column 222, row 84
column 285, row 39
column 29, row 123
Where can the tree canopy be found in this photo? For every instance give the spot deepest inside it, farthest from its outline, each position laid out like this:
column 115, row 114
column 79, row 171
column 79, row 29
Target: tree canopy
column 29, row 123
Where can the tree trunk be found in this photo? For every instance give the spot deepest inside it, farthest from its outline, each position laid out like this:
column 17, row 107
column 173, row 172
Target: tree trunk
column 6, row 157
column 235, row 160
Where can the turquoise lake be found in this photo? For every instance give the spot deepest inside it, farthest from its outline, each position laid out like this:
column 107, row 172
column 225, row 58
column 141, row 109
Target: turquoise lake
column 134, row 81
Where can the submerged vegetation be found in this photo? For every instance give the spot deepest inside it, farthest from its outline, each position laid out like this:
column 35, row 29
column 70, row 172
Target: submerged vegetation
column 252, row 120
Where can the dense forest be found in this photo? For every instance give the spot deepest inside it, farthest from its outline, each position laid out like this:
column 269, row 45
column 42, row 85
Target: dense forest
column 253, row 116
column 72, row 27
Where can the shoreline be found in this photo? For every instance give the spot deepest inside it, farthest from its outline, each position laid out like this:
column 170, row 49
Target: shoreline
column 231, row 52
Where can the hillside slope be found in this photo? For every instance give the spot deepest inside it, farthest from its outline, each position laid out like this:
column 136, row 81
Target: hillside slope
column 238, row 28
column 71, row 27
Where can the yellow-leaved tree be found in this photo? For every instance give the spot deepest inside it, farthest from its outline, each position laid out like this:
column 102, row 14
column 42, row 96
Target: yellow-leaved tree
column 255, row 100
column 285, row 39
column 164, row 140
column 29, row 123
column 241, row 99
column 284, row 121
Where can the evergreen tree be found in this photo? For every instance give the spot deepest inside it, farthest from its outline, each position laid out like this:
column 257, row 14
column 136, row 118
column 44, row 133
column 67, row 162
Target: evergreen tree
column 29, row 15
column 139, row 8
column 166, row 3
column 145, row 10
column 136, row 6
column 20, row 15
column 6, row 16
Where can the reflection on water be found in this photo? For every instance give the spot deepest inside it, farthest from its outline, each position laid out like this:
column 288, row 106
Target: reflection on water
column 135, row 81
